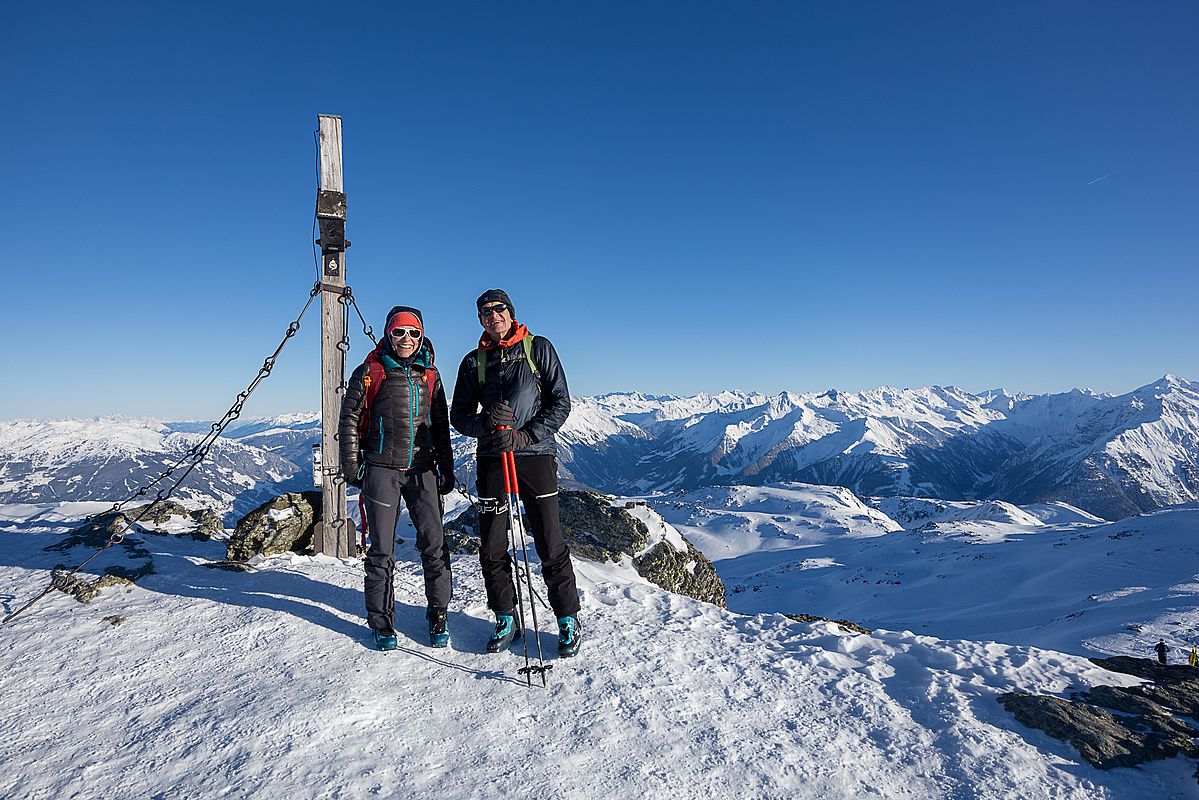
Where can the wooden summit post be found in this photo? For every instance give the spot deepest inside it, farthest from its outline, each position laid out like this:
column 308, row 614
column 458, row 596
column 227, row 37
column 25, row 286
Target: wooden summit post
column 334, row 533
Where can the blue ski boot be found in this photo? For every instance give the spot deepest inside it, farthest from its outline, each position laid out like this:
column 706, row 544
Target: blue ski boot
column 505, row 632
column 384, row 640
column 570, row 635
column 438, row 635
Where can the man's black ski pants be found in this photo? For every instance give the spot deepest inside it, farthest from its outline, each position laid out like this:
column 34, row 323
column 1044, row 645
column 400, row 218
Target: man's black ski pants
column 538, row 479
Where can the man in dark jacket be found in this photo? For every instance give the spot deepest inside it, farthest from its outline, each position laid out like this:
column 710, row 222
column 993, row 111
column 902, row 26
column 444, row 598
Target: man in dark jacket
column 394, row 431
column 511, row 395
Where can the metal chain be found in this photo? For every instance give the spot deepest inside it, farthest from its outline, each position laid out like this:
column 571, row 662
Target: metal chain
column 366, row 329
column 196, row 453
column 347, row 300
column 464, row 490
column 343, row 346
column 334, row 472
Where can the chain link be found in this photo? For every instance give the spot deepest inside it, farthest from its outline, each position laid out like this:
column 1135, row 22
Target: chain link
column 339, row 521
column 346, row 298
column 196, row 454
column 366, row 329
column 464, row 489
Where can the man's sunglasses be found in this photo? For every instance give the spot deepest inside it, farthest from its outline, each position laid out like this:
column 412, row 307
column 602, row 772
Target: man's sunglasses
column 411, row 333
column 498, row 308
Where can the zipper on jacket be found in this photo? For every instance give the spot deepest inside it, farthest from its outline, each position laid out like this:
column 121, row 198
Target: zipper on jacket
column 411, row 416
column 380, row 434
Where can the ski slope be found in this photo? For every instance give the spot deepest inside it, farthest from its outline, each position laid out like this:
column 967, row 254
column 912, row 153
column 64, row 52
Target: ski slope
column 240, row 685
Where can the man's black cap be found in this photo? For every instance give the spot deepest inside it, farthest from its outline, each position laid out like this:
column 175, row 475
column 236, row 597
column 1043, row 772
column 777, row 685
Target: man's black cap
column 495, row 296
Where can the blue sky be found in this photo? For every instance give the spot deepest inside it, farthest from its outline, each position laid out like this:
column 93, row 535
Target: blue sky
column 683, row 197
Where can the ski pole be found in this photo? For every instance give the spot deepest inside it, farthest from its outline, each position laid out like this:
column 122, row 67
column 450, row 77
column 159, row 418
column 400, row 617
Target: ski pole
column 519, row 528
column 520, row 603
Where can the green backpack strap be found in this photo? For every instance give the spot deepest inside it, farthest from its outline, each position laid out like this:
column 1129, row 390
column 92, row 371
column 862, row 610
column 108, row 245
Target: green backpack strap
column 527, row 343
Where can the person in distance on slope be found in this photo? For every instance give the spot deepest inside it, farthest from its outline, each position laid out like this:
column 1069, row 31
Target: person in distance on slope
column 1161, row 651
column 395, row 443
column 511, row 395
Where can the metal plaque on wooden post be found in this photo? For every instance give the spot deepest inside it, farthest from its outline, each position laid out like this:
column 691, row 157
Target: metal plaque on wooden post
column 334, row 533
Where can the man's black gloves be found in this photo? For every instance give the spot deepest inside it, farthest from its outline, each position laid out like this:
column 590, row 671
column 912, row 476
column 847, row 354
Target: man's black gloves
column 354, row 476
column 501, row 415
column 509, row 440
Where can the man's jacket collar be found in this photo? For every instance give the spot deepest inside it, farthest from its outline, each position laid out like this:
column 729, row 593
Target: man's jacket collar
column 518, row 332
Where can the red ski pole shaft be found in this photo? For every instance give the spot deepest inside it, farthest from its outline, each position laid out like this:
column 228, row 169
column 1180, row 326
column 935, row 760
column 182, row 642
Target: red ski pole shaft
column 512, row 479
column 504, row 458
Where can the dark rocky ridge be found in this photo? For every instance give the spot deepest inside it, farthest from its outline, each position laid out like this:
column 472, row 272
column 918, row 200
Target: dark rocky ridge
column 844, row 623
column 1113, row 726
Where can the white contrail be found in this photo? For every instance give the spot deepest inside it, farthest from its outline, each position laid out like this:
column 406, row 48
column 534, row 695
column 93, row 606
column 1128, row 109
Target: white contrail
column 1108, row 175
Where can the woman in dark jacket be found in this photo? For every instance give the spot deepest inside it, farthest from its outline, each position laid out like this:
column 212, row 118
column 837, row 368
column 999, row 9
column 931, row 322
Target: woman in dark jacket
column 395, row 443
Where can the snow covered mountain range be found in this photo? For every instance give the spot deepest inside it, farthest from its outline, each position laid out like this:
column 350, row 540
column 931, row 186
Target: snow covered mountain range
column 110, row 458
column 1110, row 455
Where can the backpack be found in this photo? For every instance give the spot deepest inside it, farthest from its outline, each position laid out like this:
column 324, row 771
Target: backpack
column 527, row 344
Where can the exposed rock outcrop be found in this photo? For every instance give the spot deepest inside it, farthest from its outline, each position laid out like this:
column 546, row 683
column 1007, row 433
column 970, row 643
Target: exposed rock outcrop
column 598, row 531
column 284, row 524
column 844, row 623
column 462, row 532
column 85, row 590
column 1148, row 723
column 153, row 517
column 689, row 573
column 93, row 536
column 202, row 524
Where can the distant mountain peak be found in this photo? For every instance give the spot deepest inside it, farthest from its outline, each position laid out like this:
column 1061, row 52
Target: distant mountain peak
column 1171, row 381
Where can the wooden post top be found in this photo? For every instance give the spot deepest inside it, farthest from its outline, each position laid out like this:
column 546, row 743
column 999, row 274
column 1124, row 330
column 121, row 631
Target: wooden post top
column 330, row 144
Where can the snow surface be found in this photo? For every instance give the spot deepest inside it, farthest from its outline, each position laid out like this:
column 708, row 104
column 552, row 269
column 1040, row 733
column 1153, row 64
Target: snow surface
column 981, row 570
column 262, row 685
